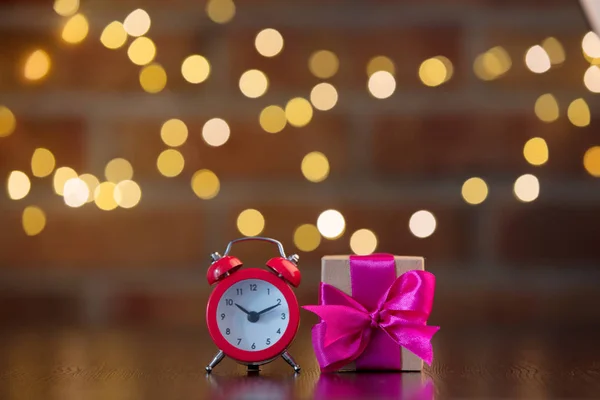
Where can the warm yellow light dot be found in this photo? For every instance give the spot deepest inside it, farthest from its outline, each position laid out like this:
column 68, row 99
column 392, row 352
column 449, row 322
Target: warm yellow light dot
column 323, row 64
column 307, row 237
column 474, row 190
column 268, row 42
column 546, row 108
column 432, row 72
column 591, row 79
column 174, row 132
column 215, row 132
column 591, row 45
column 537, row 60
column 37, row 65
column 141, row 51
column 205, row 184
column 33, row 220
column 8, row 122
column 315, row 166
column 153, row 78
column 363, row 242
column 422, row 224
column 170, row 163
column 92, row 183
column 117, row 170
column 492, row 64
column 250, row 222
column 579, row 113
column 75, row 192
column 298, row 112
column 61, row 176
column 591, row 161
column 195, row 69
column 380, row 63
column 66, row 8
column 323, row 96
column 137, row 23
column 75, row 29
column 220, row 11
column 272, row 119
column 113, row 36
column 331, row 224
column 42, row 163
column 18, row 185
column 555, row 50
column 253, row 83
column 527, row 188
column 104, row 196
column 127, row 194
column 448, row 65
column 381, row 84
column 535, row 151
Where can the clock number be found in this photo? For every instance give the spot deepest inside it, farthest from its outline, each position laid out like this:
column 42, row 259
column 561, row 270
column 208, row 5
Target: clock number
column 227, row 331
column 222, row 316
column 278, row 301
column 279, row 331
column 238, row 292
column 268, row 341
column 253, row 346
column 229, row 302
column 253, row 287
column 282, row 315
column 239, row 341
column 268, row 291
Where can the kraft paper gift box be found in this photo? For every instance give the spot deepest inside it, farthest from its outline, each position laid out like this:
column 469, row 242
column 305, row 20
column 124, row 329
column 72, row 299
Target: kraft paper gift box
column 379, row 273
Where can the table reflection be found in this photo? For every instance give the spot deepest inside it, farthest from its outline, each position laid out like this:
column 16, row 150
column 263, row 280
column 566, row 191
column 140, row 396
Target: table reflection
column 250, row 387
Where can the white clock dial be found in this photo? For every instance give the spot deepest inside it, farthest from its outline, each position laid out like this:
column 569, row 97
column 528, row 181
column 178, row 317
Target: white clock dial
column 252, row 315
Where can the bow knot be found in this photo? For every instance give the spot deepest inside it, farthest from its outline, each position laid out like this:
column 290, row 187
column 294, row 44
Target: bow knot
column 375, row 319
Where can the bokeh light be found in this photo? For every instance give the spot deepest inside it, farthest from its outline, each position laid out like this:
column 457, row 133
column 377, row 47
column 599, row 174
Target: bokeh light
column 18, row 185
column 153, row 78
column 215, row 132
column 141, row 51
column 331, row 224
column 33, row 220
column 422, row 224
column 527, row 188
column 113, row 36
column 535, row 151
column 579, row 113
column 380, row 63
column 104, row 196
column 537, row 60
column 250, row 222
column 268, row 42
column 137, row 23
column 174, row 132
column 75, row 29
column 8, row 122
column 37, row 65
column 298, row 112
column 66, row 8
column 363, row 242
column 315, row 166
column 253, row 83
column 555, row 50
column 448, row 64
column 591, row 161
column 591, row 45
column 307, row 237
column 433, row 72
column 61, row 176
column 205, row 184
column 170, row 163
column 323, row 96
column 474, row 191
column 127, row 194
column 220, row 11
column 92, row 183
column 117, row 170
column 546, row 108
column 42, row 162
column 492, row 64
column 323, row 64
column 272, row 119
column 75, row 192
column 195, row 69
column 381, row 84
column 591, row 79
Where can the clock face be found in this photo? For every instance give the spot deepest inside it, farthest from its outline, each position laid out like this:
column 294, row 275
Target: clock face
column 252, row 315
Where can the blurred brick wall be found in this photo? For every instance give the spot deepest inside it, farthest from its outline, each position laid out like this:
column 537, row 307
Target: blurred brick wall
column 389, row 158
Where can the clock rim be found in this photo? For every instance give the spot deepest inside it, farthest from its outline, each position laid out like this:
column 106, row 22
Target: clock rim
column 252, row 356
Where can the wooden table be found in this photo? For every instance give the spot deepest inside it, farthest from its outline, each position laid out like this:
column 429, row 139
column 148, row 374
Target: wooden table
column 153, row 363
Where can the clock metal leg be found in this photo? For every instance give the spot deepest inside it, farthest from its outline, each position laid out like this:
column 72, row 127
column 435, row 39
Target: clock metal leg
column 288, row 358
column 218, row 358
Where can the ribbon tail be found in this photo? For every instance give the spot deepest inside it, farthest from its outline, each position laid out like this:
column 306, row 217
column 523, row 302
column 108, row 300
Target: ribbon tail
column 340, row 353
column 415, row 338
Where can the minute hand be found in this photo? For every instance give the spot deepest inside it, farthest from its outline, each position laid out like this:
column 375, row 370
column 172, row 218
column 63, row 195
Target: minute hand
column 268, row 309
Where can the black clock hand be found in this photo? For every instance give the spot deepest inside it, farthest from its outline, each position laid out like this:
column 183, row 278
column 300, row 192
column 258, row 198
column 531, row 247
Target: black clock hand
column 268, row 309
column 242, row 308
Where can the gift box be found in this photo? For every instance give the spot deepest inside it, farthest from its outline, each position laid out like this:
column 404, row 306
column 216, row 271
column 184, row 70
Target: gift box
column 373, row 312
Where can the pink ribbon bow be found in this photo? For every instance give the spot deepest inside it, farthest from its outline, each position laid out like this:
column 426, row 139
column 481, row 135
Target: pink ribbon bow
column 347, row 327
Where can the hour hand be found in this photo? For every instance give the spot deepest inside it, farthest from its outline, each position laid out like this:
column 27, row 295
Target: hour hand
column 242, row 308
column 268, row 309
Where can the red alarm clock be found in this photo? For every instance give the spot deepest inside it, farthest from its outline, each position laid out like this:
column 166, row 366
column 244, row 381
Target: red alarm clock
column 253, row 314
